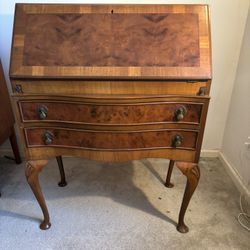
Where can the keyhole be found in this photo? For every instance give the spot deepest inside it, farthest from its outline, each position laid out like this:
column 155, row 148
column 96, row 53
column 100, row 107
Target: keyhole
column 112, row 11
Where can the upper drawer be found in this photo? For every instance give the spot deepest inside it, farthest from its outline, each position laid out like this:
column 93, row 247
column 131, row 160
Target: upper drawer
column 111, row 113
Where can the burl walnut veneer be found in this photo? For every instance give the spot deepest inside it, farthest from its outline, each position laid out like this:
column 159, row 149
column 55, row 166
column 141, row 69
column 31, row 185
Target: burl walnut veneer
column 111, row 83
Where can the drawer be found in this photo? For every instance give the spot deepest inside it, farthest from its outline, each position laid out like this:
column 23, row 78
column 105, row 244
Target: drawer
column 110, row 140
column 110, row 114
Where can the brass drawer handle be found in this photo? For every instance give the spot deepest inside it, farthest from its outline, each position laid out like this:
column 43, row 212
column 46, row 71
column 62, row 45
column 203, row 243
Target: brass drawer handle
column 93, row 111
column 202, row 91
column 177, row 141
column 19, row 88
column 42, row 112
column 180, row 113
column 48, row 138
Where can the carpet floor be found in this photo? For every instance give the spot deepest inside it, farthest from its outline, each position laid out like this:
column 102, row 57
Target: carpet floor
column 119, row 206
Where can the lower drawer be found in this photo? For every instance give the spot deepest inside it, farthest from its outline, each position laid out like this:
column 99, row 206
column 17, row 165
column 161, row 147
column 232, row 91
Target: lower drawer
column 110, row 140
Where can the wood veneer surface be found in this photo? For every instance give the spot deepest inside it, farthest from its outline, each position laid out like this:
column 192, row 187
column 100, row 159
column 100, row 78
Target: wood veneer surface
column 111, row 41
column 110, row 114
column 110, row 140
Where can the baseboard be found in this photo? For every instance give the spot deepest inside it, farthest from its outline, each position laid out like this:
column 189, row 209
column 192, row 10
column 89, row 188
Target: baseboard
column 234, row 176
column 209, row 153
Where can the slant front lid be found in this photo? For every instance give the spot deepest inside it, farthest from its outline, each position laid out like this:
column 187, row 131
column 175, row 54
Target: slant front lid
column 111, row 41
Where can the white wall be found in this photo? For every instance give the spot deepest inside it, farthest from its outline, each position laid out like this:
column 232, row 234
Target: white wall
column 228, row 19
column 237, row 130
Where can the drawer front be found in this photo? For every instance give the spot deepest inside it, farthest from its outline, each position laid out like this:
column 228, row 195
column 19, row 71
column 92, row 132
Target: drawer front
column 110, row 114
column 111, row 140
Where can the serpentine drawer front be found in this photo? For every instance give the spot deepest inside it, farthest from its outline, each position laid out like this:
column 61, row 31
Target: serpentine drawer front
column 110, row 140
column 115, row 113
column 111, row 83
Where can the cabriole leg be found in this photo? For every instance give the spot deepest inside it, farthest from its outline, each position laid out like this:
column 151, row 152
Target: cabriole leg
column 32, row 170
column 192, row 172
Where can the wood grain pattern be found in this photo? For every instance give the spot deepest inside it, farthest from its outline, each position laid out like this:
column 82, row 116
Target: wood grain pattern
column 111, row 156
column 192, row 172
column 201, row 132
column 111, row 78
column 92, row 113
column 109, row 140
column 146, row 42
column 32, row 172
column 110, row 100
column 149, row 40
column 114, row 99
column 79, row 87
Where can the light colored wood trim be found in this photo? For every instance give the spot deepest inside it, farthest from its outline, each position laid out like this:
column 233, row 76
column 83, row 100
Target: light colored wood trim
column 17, row 68
column 109, row 87
column 120, row 99
column 45, row 153
column 131, row 127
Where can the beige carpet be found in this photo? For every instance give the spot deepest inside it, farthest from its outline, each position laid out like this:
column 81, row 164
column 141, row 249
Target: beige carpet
column 119, row 206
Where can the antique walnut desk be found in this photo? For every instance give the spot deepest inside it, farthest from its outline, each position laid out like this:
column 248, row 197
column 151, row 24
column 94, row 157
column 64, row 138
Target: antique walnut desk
column 111, row 83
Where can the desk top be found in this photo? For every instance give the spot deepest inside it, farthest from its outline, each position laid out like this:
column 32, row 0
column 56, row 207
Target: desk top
column 111, row 41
